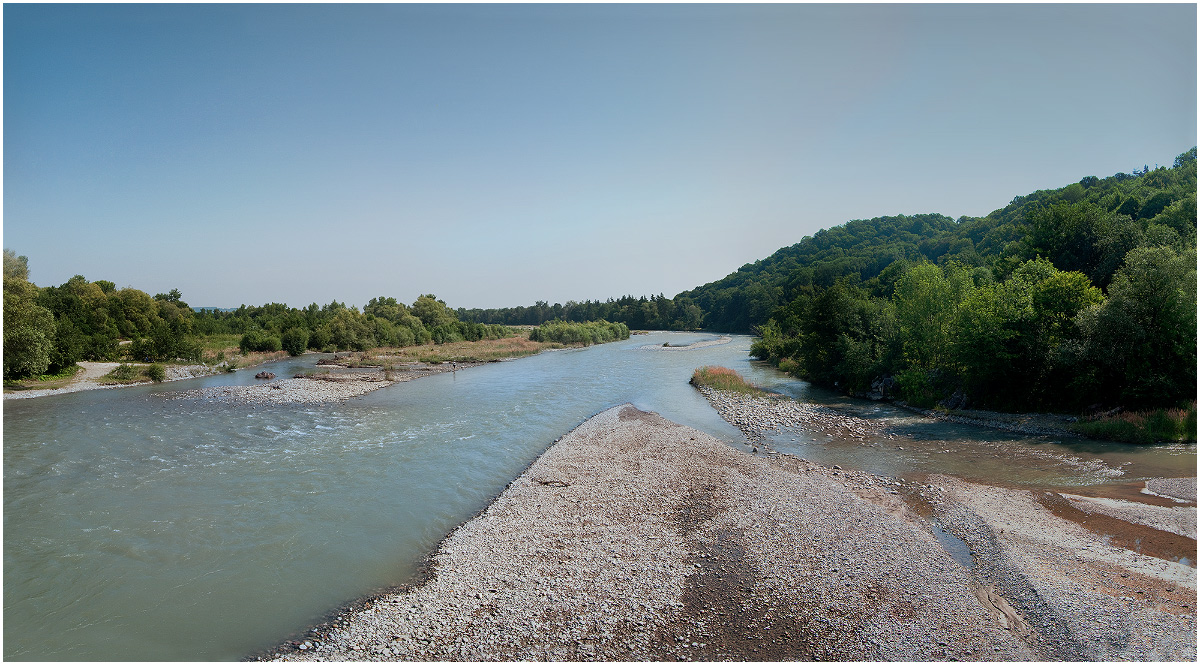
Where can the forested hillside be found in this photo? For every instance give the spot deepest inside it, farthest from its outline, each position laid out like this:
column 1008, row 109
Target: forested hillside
column 1083, row 295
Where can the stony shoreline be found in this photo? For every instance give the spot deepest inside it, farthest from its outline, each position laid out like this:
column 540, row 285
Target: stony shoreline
column 634, row 538
column 91, row 371
column 755, row 415
column 1034, row 424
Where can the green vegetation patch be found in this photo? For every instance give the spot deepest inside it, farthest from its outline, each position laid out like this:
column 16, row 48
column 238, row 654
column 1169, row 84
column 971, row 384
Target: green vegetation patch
column 126, row 373
column 1152, row 426
column 723, row 378
column 575, row 333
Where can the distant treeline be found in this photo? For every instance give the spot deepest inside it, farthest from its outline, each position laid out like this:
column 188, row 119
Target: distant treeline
column 383, row 322
column 653, row 313
column 49, row 329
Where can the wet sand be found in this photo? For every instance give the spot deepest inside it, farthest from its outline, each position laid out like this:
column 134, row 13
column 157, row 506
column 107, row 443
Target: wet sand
column 634, row 538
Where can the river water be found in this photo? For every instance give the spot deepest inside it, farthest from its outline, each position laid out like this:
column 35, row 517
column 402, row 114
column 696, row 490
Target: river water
column 143, row 528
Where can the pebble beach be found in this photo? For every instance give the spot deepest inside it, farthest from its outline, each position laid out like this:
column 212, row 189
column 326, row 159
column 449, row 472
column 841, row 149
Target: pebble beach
column 634, row 538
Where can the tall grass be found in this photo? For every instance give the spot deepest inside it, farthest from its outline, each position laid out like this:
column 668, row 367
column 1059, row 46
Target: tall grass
column 484, row 350
column 1157, row 425
column 723, row 378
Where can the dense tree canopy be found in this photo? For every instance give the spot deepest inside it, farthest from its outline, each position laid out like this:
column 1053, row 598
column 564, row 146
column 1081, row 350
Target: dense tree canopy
column 1084, row 295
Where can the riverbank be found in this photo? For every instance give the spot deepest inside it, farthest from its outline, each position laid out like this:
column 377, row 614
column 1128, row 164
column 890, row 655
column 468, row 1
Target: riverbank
column 634, row 538
column 1033, row 424
column 375, row 367
column 88, row 378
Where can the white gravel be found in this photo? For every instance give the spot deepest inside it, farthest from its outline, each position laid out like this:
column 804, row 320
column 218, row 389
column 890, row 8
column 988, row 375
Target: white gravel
column 637, row 539
column 289, row 391
column 756, row 415
column 634, row 538
column 334, row 385
column 1085, row 598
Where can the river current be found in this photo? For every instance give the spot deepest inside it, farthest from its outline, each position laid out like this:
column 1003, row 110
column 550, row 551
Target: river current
column 143, row 528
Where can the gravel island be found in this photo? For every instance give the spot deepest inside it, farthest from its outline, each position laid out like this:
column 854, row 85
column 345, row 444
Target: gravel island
column 634, row 538
column 319, row 388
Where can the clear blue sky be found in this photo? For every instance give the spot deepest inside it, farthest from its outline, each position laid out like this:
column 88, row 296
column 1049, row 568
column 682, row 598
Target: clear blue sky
column 498, row 155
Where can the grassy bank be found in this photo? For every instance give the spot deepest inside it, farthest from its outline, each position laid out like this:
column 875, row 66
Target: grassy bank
column 723, row 378
column 44, row 381
column 1152, row 426
column 485, row 350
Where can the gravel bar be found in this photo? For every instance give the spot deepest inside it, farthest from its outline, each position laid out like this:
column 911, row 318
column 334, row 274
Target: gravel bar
column 333, row 385
column 634, row 538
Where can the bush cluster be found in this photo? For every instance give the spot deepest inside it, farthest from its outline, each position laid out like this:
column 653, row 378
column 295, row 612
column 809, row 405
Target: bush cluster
column 575, row 333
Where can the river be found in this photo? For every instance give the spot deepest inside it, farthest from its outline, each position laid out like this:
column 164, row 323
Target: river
column 143, row 528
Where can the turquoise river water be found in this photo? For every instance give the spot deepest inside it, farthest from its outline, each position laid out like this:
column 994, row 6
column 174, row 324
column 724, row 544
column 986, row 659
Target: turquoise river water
column 143, row 528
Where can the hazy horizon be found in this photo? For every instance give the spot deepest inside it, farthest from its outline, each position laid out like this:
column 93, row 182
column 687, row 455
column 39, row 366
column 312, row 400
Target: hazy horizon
column 498, row 155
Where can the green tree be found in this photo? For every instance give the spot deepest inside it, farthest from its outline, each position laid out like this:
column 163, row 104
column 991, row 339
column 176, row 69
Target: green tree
column 926, row 299
column 432, row 312
column 29, row 328
column 1140, row 344
column 294, row 340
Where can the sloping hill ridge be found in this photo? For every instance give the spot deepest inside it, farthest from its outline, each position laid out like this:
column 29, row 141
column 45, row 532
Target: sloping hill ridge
column 1083, row 226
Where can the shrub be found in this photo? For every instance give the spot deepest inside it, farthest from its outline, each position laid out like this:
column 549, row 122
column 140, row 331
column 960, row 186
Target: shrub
column 319, row 339
column 723, row 378
column 918, row 388
column 445, row 334
column 258, row 340
column 592, row 332
column 142, row 348
column 294, row 341
column 156, row 372
column 124, row 372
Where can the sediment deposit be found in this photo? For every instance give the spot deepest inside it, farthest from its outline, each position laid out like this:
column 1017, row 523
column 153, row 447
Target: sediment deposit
column 321, row 387
column 634, row 538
